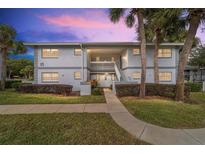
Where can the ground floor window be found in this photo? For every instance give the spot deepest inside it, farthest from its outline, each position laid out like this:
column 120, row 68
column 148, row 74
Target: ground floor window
column 50, row 76
column 136, row 75
column 165, row 76
column 77, row 76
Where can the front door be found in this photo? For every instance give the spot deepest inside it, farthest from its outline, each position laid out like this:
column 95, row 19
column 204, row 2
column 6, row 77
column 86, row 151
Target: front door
column 105, row 80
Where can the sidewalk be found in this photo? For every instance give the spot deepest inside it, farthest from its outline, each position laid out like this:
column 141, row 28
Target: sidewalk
column 53, row 108
column 147, row 132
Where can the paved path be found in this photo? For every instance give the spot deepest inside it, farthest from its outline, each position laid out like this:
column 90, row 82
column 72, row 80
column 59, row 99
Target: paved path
column 53, row 108
column 147, row 132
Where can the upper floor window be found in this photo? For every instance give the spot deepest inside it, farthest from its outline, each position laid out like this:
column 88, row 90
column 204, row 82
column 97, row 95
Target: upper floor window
column 77, row 52
column 136, row 51
column 50, row 76
column 50, row 53
column 77, row 76
column 165, row 76
column 136, row 75
column 167, row 53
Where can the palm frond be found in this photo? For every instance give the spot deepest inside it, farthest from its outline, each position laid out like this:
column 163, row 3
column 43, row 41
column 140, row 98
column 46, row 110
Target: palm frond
column 115, row 14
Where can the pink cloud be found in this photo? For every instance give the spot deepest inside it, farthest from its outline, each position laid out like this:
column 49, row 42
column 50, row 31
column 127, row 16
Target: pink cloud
column 74, row 21
column 93, row 24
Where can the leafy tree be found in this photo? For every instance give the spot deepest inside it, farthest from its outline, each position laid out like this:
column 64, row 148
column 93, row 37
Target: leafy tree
column 197, row 57
column 27, row 71
column 15, row 65
column 8, row 43
column 130, row 18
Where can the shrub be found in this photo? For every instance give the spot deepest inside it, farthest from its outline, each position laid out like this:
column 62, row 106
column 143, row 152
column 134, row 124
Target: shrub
column 9, row 83
column 93, row 83
column 96, row 91
column 195, row 87
column 46, row 88
column 164, row 90
column 16, row 85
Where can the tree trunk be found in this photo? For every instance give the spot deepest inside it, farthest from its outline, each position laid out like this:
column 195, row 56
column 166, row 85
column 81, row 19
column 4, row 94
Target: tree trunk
column 142, row 50
column 183, row 57
column 156, row 68
column 3, row 68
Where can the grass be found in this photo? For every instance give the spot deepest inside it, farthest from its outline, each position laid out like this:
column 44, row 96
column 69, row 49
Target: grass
column 168, row 113
column 12, row 97
column 75, row 128
column 197, row 97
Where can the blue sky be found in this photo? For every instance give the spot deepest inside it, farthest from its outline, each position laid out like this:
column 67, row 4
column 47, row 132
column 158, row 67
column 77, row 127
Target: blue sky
column 66, row 25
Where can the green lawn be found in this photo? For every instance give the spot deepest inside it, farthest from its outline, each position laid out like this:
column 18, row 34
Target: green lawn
column 197, row 97
column 75, row 128
column 168, row 113
column 12, row 97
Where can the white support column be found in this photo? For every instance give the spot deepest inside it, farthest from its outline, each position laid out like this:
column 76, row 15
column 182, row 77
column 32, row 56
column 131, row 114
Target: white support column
column 203, row 86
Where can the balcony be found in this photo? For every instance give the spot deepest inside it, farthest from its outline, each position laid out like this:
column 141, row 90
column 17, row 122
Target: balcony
column 105, row 66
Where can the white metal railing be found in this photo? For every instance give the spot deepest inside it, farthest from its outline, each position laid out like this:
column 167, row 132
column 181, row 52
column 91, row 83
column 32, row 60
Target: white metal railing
column 117, row 71
column 102, row 66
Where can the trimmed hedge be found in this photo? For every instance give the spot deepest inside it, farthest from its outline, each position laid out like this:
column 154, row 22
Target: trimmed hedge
column 46, row 88
column 96, row 91
column 195, row 87
column 164, row 90
column 9, row 83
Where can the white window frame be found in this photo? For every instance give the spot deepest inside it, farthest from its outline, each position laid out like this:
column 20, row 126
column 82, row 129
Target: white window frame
column 77, row 52
column 165, row 80
column 51, row 80
column 136, row 51
column 138, row 74
column 77, row 78
column 49, row 55
column 163, row 55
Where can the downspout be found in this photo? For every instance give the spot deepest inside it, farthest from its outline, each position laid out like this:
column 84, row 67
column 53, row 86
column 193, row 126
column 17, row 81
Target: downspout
column 81, row 46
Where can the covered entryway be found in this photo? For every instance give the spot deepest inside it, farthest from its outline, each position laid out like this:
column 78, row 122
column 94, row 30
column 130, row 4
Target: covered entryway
column 103, row 79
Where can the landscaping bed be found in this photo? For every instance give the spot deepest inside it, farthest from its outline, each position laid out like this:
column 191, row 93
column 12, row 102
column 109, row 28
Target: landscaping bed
column 166, row 112
column 163, row 90
column 75, row 128
column 46, row 88
column 12, row 97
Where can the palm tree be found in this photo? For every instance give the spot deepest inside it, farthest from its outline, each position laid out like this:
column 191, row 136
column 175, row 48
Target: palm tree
column 8, row 43
column 115, row 15
column 159, row 28
column 194, row 18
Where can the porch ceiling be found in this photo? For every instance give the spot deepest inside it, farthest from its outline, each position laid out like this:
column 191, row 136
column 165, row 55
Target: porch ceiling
column 106, row 50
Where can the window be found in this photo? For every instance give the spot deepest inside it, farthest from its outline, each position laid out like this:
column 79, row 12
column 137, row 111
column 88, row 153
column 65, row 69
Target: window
column 167, row 53
column 165, row 76
column 50, row 76
column 77, row 76
column 136, row 51
column 77, row 52
column 50, row 53
column 136, row 76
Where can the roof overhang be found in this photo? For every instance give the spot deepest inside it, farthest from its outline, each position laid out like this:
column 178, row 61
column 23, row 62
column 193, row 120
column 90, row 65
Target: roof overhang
column 96, row 44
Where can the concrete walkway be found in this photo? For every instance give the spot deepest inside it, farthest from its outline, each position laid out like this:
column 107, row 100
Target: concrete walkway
column 147, row 132
column 53, row 108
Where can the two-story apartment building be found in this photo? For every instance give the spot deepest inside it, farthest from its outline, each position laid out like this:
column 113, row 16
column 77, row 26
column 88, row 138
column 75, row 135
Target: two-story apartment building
column 72, row 63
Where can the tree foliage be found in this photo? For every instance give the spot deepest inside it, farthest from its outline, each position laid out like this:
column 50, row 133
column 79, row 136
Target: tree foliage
column 197, row 57
column 14, row 66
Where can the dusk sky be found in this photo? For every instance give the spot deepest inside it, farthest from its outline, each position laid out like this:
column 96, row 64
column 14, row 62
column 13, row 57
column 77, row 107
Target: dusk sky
column 67, row 25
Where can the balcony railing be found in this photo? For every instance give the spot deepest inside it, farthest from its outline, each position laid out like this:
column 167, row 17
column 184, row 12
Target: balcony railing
column 102, row 67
